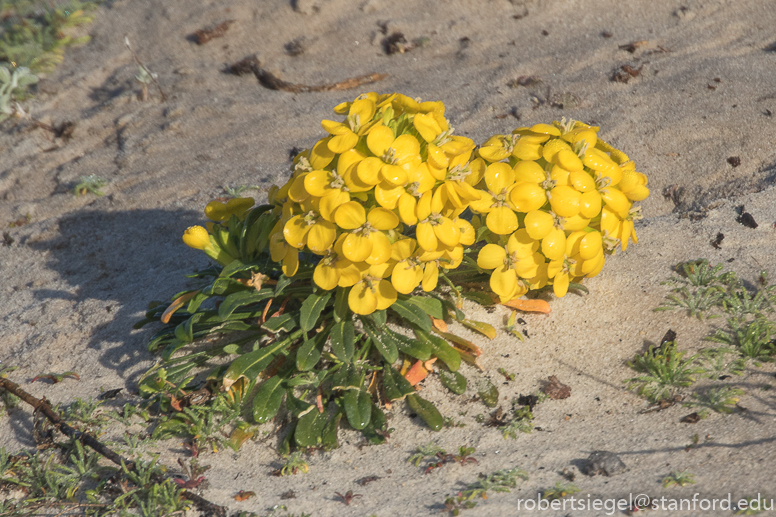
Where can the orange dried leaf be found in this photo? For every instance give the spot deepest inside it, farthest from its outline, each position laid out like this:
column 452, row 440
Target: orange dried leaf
column 429, row 365
column 461, row 342
column 416, row 374
column 177, row 304
column 242, row 495
column 529, row 305
column 439, row 324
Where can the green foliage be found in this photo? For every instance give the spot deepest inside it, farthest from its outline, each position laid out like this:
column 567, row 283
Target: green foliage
column 664, row 370
column 560, row 491
column 422, row 452
column 753, row 339
column 13, row 84
column 720, row 399
column 90, row 184
column 294, row 464
column 35, row 34
column 677, row 478
column 202, row 424
column 716, row 363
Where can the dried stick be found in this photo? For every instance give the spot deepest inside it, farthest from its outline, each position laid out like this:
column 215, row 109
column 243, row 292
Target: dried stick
column 271, row 81
column 44, row 407
column 141, row 65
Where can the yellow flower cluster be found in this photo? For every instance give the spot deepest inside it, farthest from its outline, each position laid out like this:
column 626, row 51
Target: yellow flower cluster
column 561, row 201
column 378, row 200
column 215, row 240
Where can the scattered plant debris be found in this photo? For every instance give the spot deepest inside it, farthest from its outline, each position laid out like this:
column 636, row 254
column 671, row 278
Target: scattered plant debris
column 717, row 241
column 347, row 497
column 295, row 47
column 633, row 45
column 735, row 161
column 202, row 36
column 267, row 79
column 625, row 73
column 57, row 377
column 521, row 15
column 677, row 478
column 242, row 495
column 366, row 480
column 145, row 73
column 746, row 219
column 559, row 491
column 604, row 463
column 692, row 418
column 90, row 184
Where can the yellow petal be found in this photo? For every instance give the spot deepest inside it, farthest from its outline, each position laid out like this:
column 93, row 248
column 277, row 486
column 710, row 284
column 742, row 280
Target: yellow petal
column 468, row 235
column 554, row 244
column 406, row 206
column 321, row 236
column 529, row 171
column 503, row 281
column 560, row 285
column 491, row 256
column 277, row 246
column 368, row 170
column 405, row 277
column 430, row 276
column 343, row 143
column 382, row 219
column 356, row 247
column 565, row 201
column 538, row 224
column 501, row 220
column 427, row 126
column 380, row 248
column 526, row 197
column 297, row 192
column 295, row 231
column 406, row 147
column 364, row 108
column 330, row 202
column 317, row 183
column 361, row 299
column 325, row 276
column 379, row 140
column 424, row 205
column 499, row 176
column 290, row 262
column 437, row 157
column 427, row 239
column 350, row 215
column 386, row 295
column 447, row 232
column 521, row 244
column 350, row 273
column 393, row 174
column 320, row 154
column 387, row 195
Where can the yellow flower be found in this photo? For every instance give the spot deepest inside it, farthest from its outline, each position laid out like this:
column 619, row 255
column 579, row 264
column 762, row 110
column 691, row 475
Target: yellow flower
column 345, row 134
column 499, row 179
column 408, row 272
column 196, row 237
column 281, row 251
column 310, row 230
column 433, row 227
column 218, row 211
column 398, row 156
column 366, row 241
column 371, row 294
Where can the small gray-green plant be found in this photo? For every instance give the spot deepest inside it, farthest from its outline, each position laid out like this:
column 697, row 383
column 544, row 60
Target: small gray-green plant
column 559, row 491
column 753, row 339
column 127, row 412
column 521, row 423
column 696, row 302
column 720, row 399
column 203, row 424
column 677, row 478
column 664, row 370
column 498, row 481
column 699, row 273
column 294, row 464
column 85, row 412
column 12, row 86
column 145, row 79
column 239, row 190
column 90, row 184
column 430, row 450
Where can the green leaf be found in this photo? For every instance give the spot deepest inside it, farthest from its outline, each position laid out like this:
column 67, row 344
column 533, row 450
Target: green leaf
column 453, row 381
column 240, row 299
column 410, row 313
column 250, row 365
column 297, row 406
column 311, row 310
column 330, row 431
column 358, row 408
column 379, row 318
column 396, row 387
column 268, row 398
column 412, row 347
column 277, row 323
column 195, row 302
column 223, row 286
column 441, row 349
column 383, row 343
column 489, row 394
column 478, row 297
column 185, row 331
column 283, row 282
column 341, row 308
column 309, row 429
column 427, row 411
column 376, row 423
column 285, row 445
column 343, row 337
column 426, row 304
column 309, row 353
column 235, row 266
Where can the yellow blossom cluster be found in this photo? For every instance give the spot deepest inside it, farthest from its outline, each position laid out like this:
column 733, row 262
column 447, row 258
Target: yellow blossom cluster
column 556, row 200
column 215, row 240
column 378, row 201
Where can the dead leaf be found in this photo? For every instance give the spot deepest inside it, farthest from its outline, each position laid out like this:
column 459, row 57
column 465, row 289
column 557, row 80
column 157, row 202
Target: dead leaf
column 633, row 45
column 439, row 324
column 242, row 495
column 692, row 418
column 202, row 36
column 556, row 390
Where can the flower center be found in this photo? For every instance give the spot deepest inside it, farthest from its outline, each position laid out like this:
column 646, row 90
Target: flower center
column 303, row 165
column 354, row 122
column 389, row 156
column 337, row 182
column 458, row 173
column 412, row 189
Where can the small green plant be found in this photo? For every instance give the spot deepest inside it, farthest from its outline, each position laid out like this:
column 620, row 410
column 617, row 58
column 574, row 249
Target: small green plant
column 12, row 86
column 508, row 376
column 677, row 478
column 85, row 412
column 699, row 273
column 239, row 190
column 559, row 491
column 127, row 412
column 429, row 450
column 144, row 78
column 90, row 184
column 696, row 302
column 499, row 481
column 753, row 339
column 512, row 328
column 294, row 464
column 664, row 370
column 202, row 424
column 716, row 363
column 721, row 399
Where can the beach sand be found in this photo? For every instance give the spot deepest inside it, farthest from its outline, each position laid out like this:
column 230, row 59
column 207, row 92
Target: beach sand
column 702, row 92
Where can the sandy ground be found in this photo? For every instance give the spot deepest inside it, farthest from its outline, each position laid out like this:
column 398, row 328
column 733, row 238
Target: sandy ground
column 77, row 277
